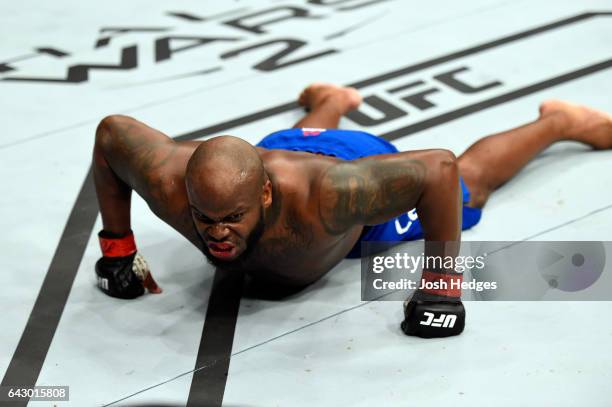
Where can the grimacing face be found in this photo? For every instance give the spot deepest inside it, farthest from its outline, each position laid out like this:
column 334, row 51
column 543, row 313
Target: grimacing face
column 231, row 224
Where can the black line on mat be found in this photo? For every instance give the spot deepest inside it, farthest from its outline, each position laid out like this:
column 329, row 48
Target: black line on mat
column 208, row 385
column 494, row 101
column 53, row 51
column 185, row 16
column 28, row 358
column 478, row 48
column 262, row 114
column 253, row 117
column 31, row 351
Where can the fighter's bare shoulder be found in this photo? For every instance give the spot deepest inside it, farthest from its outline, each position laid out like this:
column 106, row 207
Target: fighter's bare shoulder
column 297, row 235
column 297, row 176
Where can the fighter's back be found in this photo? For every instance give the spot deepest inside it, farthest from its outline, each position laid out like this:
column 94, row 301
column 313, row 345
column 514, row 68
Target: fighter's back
column 295, row 247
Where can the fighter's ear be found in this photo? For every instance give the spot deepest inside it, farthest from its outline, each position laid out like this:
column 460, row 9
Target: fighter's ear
column 266, row 196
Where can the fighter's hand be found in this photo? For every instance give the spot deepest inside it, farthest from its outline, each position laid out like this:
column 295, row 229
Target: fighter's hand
column 427, row 316
column 125, row 277
column 122, row 272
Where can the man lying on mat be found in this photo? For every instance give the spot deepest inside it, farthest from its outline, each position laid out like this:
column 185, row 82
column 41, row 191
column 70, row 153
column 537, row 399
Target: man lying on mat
column 289, row 209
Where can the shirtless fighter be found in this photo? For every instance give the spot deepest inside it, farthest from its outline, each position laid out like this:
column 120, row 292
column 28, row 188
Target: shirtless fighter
column 289, row 209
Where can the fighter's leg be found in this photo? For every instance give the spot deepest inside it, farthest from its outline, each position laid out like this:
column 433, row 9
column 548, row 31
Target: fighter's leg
column 128, row 155
column 493, row 160
column 326, row 104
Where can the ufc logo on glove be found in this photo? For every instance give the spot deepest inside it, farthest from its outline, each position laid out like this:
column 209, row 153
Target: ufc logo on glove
column 444, row 320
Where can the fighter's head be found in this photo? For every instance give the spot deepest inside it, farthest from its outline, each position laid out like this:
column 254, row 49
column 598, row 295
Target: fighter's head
column 228, row 192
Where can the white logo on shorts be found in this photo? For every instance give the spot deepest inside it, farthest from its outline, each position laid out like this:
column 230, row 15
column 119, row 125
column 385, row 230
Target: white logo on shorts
column 412, row 216
column 311, row 131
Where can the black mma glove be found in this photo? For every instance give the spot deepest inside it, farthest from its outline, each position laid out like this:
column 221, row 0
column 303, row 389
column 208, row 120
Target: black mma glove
column 436, row 312
column 433, row 318
column 122, row 272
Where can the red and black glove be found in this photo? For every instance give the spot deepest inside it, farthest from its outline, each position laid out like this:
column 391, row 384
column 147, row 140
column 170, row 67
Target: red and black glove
column 435, row 313
column 122, row 272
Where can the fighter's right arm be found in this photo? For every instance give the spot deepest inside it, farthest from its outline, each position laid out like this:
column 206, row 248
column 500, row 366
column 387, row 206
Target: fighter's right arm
column 129, row 155
column 126, row 153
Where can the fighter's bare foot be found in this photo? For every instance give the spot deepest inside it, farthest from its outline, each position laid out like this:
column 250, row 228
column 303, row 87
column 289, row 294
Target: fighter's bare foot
column 581, row 123
column 316, row 94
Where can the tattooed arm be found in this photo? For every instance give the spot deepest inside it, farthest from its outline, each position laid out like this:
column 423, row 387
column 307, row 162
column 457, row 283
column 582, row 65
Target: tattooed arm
column 129, row 155
column 375, row 189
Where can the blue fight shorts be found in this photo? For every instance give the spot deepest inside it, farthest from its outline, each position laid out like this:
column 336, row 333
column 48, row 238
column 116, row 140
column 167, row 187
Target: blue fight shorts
column 351, row 145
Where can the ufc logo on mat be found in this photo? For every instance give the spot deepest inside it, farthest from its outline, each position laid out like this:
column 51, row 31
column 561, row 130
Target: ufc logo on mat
column 444, row 321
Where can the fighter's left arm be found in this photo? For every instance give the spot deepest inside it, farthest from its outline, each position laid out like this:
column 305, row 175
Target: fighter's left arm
column 375, row 189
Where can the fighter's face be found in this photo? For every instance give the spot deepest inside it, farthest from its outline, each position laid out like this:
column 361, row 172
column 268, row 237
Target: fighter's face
column 231, row 226
column 225, row 233
column 240, row 260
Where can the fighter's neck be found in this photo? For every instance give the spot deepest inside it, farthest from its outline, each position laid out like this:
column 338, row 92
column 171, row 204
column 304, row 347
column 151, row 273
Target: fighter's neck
column 273, row 211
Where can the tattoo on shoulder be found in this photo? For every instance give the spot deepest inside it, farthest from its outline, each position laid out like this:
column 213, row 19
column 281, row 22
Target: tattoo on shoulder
column 369, row 192
column 136, row 141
